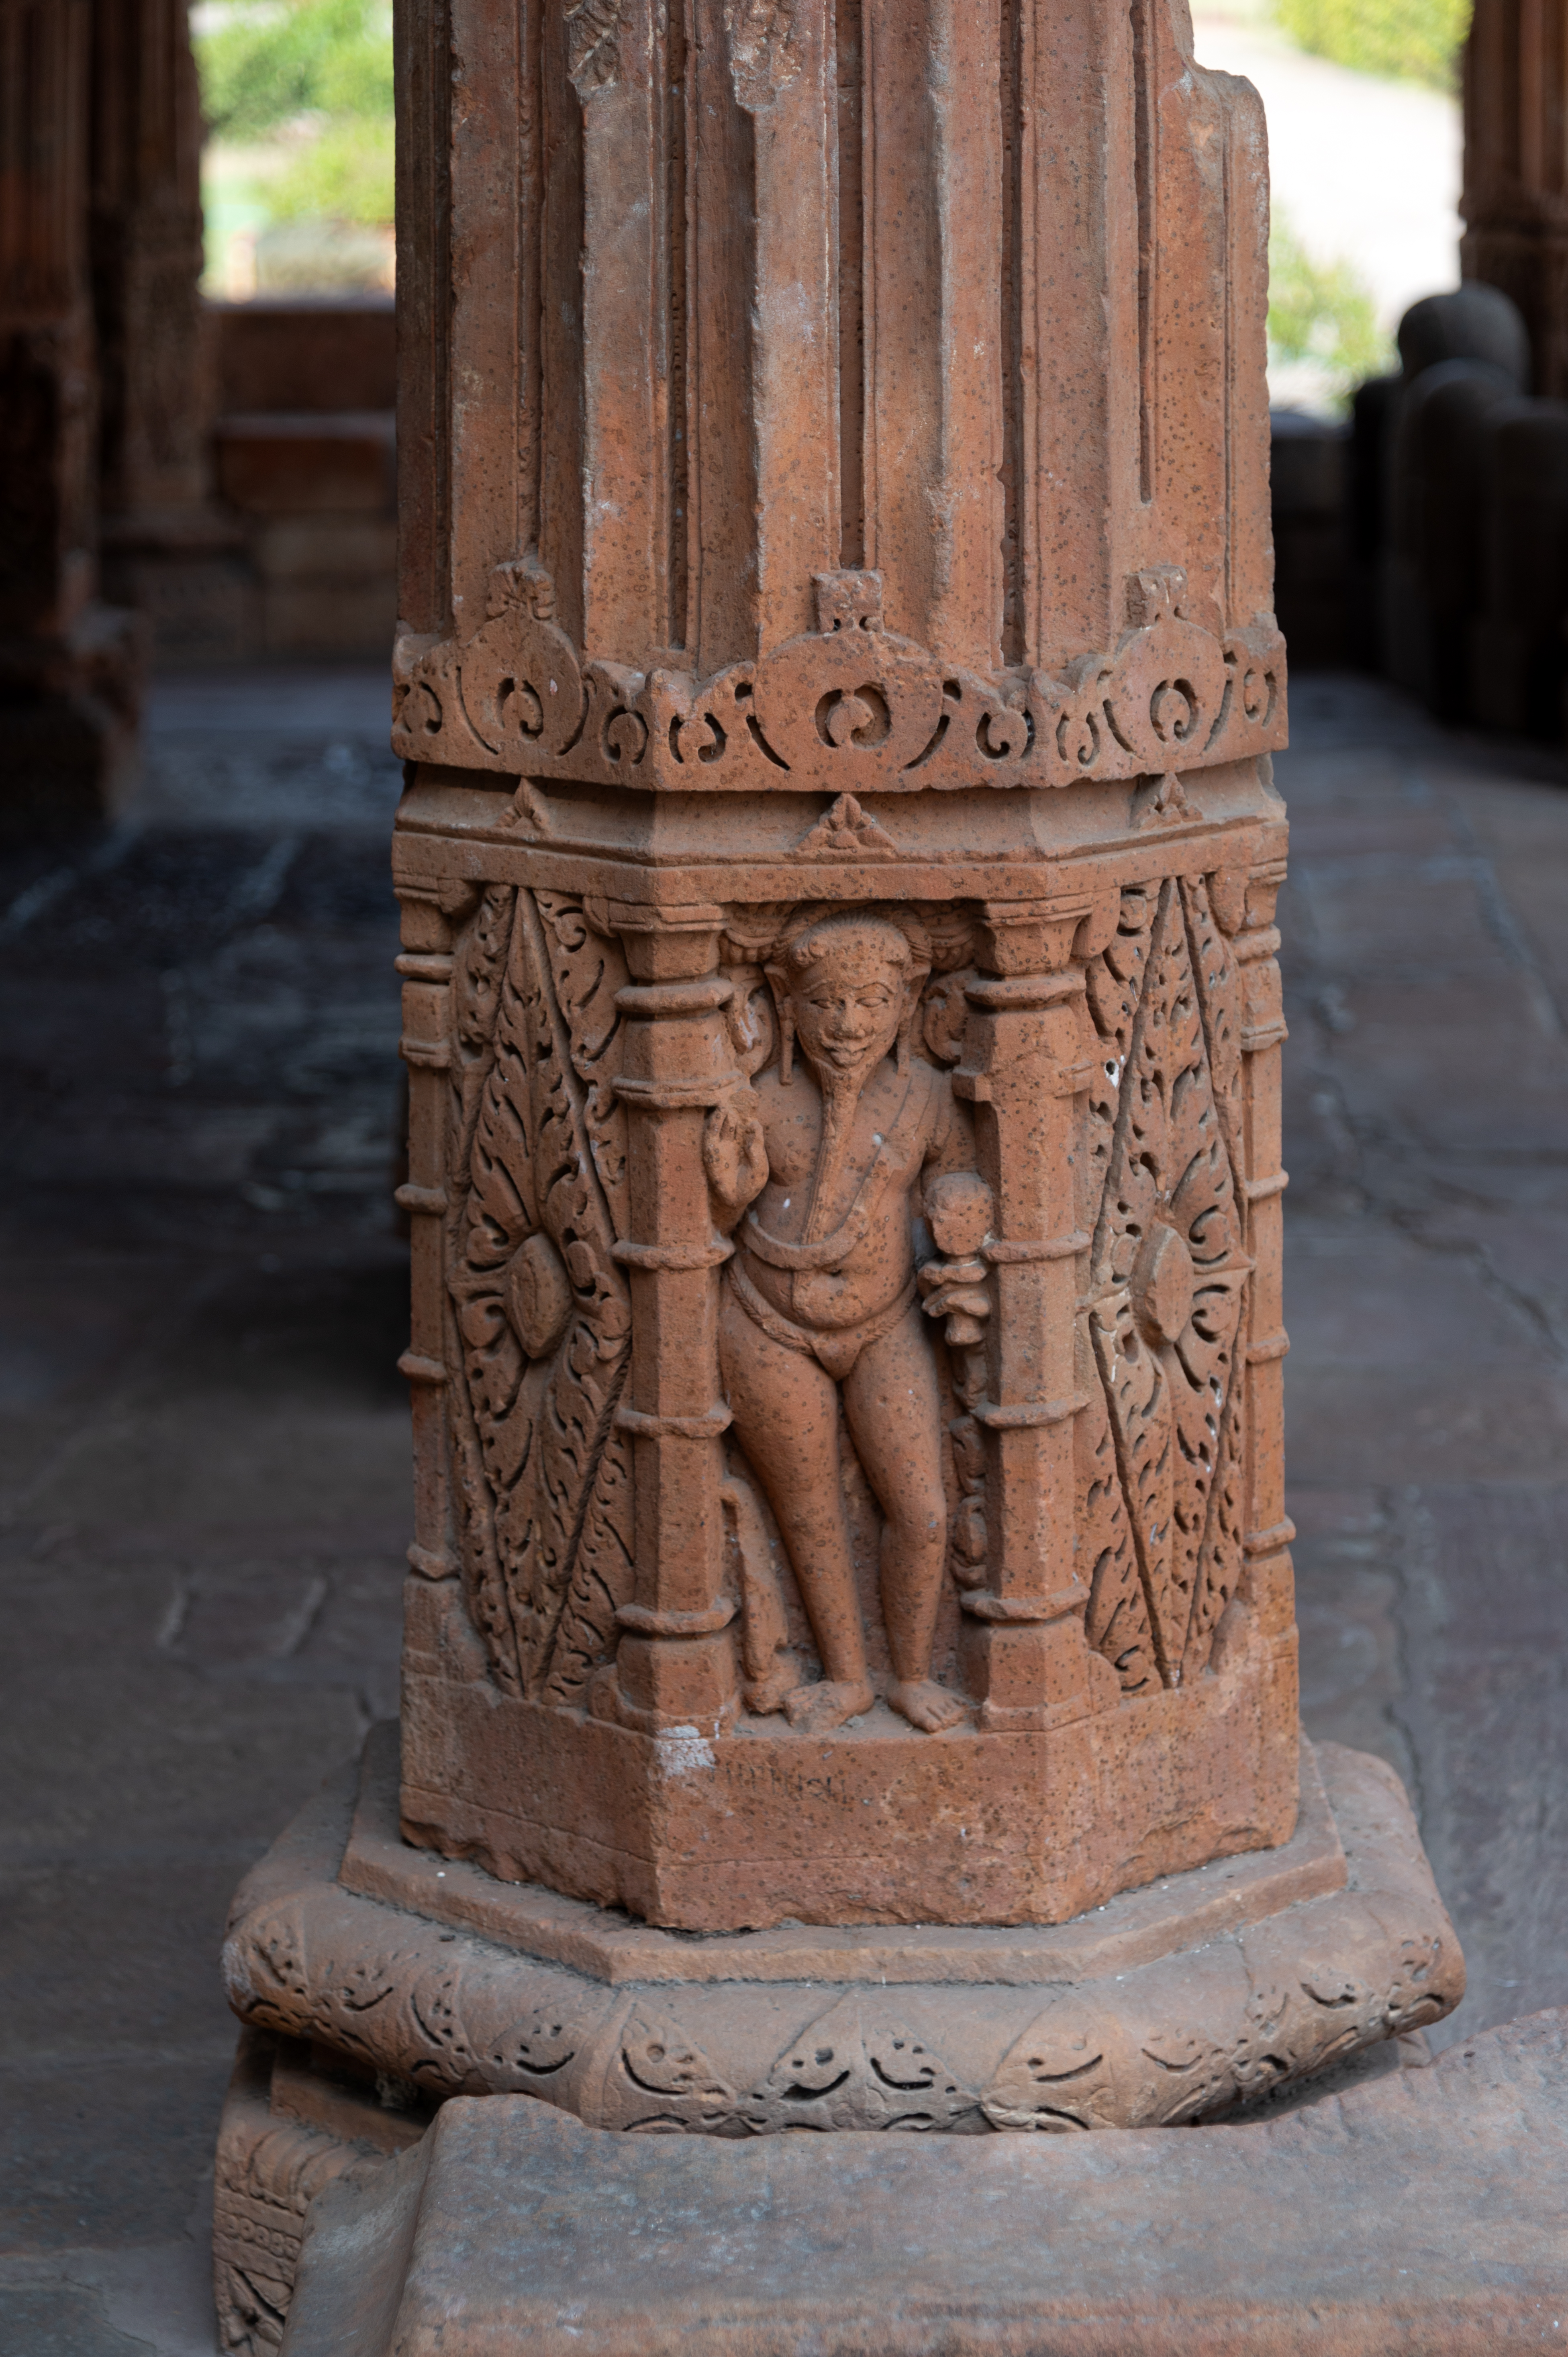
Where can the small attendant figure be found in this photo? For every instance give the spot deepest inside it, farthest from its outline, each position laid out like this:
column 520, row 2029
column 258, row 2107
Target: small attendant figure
column 820, row 1176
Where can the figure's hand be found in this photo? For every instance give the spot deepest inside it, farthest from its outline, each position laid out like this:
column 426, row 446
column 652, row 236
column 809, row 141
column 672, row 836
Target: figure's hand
column 734, row 1157
column 956, row 1290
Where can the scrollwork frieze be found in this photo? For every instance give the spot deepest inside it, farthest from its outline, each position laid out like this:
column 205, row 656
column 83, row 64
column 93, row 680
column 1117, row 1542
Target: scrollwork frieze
column 850, row 708
column 1247, row 2009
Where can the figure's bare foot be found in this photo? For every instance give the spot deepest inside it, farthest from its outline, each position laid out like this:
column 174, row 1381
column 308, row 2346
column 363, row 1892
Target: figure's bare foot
column 816, row 1709
column 926, row 1704
column 771, row 1692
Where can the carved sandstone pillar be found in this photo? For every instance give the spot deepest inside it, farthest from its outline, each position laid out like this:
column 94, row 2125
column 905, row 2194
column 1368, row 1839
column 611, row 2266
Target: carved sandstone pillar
column 168, row 552
column 1515, row 200
column 838, row 858
column 837, row 581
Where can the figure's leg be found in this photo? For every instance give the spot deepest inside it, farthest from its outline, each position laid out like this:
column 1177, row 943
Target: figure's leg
column 895, row 1413
column 785, row 1418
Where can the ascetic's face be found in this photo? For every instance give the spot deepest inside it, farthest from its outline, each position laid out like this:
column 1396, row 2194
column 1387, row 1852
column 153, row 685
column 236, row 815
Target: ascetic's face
column 847, row 1009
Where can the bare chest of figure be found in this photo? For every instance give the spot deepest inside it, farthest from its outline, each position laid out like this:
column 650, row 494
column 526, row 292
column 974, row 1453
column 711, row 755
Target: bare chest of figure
column 856, row 1183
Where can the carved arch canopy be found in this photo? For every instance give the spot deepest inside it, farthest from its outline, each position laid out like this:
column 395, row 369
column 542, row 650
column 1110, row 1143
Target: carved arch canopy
column 539, row 1309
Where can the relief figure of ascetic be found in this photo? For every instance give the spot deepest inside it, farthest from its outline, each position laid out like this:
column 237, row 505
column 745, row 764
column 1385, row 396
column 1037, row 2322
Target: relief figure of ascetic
column 820, row 1175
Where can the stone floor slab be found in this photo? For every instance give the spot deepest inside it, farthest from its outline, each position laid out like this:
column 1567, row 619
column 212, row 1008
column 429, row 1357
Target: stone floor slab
column 1419, row 2212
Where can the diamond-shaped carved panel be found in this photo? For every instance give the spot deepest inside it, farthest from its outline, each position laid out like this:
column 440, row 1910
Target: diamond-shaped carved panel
column 1168, row 1272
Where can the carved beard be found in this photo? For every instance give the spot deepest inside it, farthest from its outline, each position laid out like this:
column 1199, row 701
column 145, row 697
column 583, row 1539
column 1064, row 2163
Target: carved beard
column 840, row 1091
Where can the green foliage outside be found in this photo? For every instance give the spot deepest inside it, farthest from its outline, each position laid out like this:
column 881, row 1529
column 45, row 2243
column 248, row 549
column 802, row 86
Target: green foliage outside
column 1409, row 40
column 313, row 77
column 1321, row 314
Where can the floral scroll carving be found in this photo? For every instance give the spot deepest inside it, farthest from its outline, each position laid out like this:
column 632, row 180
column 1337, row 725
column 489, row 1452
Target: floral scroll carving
column 1160, row 1449
column 539, row 1313
column 851, row 708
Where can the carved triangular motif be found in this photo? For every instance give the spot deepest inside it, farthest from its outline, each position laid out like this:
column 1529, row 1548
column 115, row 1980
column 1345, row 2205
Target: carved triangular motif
column 1164, row 803
column 847, row 831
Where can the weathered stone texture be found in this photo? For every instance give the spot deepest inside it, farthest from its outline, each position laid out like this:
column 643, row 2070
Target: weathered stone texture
column 1203, row 1997
column 204, row 1465
column 1421, row 2211
column 838, row 871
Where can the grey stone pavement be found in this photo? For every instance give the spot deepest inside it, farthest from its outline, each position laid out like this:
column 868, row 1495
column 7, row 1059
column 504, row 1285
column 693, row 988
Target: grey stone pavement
column 203, row 1485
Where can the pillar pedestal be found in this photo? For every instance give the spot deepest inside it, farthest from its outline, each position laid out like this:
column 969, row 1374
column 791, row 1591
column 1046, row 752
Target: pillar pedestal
column 380, row 1982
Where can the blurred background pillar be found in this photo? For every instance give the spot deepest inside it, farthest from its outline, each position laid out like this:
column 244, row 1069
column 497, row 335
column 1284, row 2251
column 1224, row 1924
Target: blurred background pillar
column 1515, row 201
column 67, row 663
column 166, row 551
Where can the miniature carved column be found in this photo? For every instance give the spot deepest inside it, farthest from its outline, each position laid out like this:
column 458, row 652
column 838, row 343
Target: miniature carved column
column 1033, row 1667
column 1515, row 200
column 1248, row 917
column 426, row 966
column 675, row 1662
